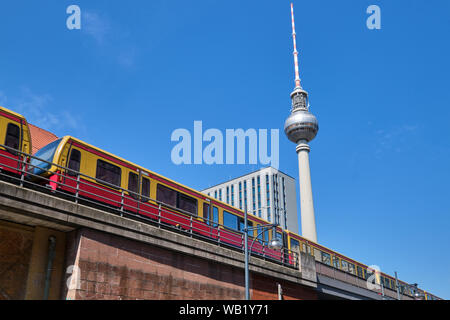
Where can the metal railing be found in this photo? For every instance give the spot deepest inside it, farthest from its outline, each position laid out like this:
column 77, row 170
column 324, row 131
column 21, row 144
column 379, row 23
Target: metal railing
column 80, row 188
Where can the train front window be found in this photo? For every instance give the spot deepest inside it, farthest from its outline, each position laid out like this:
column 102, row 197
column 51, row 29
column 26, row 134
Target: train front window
column 46, row 153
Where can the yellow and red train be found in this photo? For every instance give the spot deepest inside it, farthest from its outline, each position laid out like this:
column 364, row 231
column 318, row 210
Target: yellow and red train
column 72, row 166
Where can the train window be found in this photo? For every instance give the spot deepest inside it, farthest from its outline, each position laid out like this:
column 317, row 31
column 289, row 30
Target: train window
column 166, row 195
column 279, row 235
column 12, row 137
column 242, row 226
column 360, row 272
column 351, row 268
column 336, row 262
column 318, row 254
column 145, row 192
column 266, row 235
column 306, row 248
column 326, row 258
column 74, row 162
column 294, row 245
column 187, row 203
column 215, row 215
column 387, row 283
column 230, row 220
column 133, row 186
column 344, row 265
column 107, row 172
column 260, row 233
column 206, row 214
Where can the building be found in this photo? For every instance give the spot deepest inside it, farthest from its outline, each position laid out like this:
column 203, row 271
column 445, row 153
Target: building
column 269, row 193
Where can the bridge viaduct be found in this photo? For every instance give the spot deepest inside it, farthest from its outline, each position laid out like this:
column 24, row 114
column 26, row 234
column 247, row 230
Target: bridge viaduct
column 54, row 248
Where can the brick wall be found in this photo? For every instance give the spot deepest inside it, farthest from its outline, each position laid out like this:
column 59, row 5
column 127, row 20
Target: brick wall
column 15, row 250
column 112, row 267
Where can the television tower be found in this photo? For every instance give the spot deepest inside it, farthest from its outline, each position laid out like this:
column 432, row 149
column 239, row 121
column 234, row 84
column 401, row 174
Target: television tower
column 301, row 127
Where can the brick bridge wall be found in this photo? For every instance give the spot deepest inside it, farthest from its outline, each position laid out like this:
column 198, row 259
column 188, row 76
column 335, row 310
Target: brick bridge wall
column 114, row 267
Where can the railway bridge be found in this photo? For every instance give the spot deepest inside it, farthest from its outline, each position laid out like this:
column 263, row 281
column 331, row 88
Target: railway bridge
column 57, row 248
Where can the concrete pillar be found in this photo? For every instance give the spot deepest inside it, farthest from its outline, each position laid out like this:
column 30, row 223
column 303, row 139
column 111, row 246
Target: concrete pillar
column 35, row 282
column 306, row 200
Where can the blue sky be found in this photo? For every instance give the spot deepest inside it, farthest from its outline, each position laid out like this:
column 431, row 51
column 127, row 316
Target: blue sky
column 138, row 70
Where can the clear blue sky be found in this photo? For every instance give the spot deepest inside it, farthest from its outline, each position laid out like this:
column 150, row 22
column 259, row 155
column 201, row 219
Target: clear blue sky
column 137, row 70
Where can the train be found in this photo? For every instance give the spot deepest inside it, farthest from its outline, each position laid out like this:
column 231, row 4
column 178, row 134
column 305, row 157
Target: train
column 70, row 166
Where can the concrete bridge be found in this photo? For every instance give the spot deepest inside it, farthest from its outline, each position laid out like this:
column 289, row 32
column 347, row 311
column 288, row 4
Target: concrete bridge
column 54, row 248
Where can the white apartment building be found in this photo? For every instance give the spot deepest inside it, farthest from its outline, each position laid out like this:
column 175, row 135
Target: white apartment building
column 269, row 193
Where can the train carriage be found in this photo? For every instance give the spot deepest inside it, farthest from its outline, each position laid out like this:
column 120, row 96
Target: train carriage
column 73, row 166
column 14, row 136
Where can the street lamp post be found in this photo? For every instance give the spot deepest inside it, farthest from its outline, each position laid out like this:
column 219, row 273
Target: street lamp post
column 275, row 243
column 417, row 295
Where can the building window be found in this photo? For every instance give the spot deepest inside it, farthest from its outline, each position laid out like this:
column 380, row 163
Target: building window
column 232, row 195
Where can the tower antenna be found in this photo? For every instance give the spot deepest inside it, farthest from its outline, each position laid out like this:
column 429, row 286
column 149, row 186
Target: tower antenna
column 297, row 77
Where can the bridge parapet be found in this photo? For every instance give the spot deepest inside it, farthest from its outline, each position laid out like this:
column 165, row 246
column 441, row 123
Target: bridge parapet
column 98, row 240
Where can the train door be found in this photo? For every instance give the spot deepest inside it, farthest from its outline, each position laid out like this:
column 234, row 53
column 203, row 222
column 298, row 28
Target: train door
column 131, row 195
column 145, row 206
column 71, row 159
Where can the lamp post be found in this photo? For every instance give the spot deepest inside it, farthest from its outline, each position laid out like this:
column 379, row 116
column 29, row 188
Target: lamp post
column 275, row 243
column 415, row 290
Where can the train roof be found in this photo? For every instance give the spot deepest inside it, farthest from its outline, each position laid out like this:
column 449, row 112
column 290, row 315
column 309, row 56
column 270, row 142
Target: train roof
column 18, row 115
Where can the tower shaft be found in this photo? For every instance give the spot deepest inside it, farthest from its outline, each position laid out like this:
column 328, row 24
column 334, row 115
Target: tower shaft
column 308, row 219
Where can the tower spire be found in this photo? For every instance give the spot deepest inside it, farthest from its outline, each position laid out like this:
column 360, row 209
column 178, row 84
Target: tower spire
column 297, row 76
column 299, row 96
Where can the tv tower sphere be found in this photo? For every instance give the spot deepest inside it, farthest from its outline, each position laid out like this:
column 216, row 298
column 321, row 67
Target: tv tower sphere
column 301, row 125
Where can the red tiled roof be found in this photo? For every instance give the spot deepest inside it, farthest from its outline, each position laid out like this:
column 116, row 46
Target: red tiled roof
column 40, row 137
